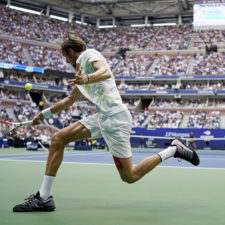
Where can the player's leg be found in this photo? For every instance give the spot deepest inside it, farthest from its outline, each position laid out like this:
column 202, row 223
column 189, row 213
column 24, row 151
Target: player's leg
column 131, row 174
column 74, row 132
column 84, row 129
column 116, row 132
column 42, row 201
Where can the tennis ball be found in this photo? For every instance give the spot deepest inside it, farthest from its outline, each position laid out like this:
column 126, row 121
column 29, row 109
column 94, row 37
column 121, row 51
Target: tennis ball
column 28, row 86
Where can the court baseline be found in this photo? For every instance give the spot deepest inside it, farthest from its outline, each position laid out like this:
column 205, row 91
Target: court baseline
column 209, row 159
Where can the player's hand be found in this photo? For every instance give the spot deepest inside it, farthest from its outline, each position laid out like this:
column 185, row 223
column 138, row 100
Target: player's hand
column 37, row 118
column 80, row 78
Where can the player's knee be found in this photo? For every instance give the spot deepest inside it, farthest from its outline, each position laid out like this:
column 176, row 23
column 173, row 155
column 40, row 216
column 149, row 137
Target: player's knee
column 56, row 140
column 131, row 180
column 128, row 179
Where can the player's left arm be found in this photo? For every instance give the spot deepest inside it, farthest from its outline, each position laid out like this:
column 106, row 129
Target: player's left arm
column 101, row 73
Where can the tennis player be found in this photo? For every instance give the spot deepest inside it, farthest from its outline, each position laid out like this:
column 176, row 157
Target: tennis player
column 95, row 81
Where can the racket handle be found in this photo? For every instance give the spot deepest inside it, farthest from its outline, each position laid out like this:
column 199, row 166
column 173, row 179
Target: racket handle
column 26, row 123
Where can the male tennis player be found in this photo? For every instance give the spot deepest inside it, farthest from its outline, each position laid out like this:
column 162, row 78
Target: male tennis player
column 95, row 81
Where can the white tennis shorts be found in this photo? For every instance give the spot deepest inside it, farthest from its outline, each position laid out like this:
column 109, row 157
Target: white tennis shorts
column 115, row 130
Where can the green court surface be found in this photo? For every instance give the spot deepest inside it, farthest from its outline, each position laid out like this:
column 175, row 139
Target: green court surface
column 95, row 195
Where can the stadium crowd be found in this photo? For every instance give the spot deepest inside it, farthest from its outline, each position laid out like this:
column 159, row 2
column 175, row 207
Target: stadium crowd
column 25, row 112
column 168, row 119
column 212, row 37
column 171, row 65
column 12, row 52
column 203, row 119
column 23, row 25
column 48, row 58
column 129, row 65
column 18, row 24
column 15, row 95
column 209, row 64
column 135, row 65
column 131, row 38
column 184, row 103
column 172, row 38
column 37, row 27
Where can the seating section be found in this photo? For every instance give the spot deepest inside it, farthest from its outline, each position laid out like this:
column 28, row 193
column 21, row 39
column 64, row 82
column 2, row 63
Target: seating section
column 156, row 51
column 166, row 119
column 202, row 119
column 172, row 38
column 12, row 52
column 209, row 64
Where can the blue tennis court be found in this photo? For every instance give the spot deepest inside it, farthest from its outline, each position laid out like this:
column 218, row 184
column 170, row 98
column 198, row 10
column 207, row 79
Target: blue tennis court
column 209, row 159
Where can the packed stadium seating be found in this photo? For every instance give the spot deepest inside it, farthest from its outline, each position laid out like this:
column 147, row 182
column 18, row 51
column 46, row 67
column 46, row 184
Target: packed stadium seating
column 201, row 119
column 168, row 119
column 174, row 52
column 12, row 52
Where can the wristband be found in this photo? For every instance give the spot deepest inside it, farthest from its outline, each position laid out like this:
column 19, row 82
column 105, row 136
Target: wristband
column 46, row 113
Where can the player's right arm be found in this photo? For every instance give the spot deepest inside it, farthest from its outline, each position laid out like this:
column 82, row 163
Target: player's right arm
column 59, row 106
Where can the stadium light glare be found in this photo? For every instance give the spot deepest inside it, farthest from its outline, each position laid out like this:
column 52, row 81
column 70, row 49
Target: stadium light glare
column 24, row 9
column 164, row 24
column 79, row 22
column 107, row 26
column 140, row 25
column 59, row 18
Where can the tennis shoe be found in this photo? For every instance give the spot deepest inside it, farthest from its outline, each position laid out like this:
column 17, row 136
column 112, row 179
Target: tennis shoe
column 185, row 152
column 36, row 203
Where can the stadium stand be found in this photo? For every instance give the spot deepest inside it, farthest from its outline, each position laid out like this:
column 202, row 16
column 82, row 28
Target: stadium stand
column 150, row 52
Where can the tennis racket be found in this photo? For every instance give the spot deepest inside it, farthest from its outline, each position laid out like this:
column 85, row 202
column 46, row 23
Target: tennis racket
column 7, row 127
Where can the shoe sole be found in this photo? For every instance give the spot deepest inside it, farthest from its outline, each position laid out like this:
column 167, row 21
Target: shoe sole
column 36, row 210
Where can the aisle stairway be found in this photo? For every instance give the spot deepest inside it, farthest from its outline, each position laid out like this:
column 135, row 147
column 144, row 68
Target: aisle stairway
column 184, row 121
column 28, row 56
column 11, row 113
column 222, row 121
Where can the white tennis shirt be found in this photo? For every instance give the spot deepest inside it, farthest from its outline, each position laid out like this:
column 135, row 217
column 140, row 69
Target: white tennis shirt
column 103, row 94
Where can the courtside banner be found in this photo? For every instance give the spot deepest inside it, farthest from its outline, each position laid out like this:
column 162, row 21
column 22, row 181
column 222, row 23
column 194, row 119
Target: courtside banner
column 165, row 77
column 179, row 132
column 208, row 1
column 207, row 136
column 21, row 67
column 172, row 92
column 34, row 85
column 122, row 92
column 31, row 146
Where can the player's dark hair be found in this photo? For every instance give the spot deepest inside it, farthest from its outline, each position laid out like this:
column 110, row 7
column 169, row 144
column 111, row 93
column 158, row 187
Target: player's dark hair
column 74, row 42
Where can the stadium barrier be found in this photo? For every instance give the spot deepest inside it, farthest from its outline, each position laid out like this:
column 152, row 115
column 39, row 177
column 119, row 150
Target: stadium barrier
column 161, row 137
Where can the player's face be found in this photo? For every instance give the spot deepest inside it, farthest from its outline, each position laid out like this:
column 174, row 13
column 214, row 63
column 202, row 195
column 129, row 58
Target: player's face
column 71, row 57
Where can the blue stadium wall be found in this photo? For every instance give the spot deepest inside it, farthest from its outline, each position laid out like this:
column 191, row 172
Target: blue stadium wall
column 207, row 136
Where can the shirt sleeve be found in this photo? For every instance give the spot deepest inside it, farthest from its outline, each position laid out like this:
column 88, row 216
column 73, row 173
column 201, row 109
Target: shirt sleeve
column 93, row 56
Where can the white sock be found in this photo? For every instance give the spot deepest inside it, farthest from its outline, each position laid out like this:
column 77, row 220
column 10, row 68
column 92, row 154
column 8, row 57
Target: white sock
column 168, row 152
column 46, row 186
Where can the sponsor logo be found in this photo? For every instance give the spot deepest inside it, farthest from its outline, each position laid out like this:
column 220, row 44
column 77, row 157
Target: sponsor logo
column 208, row 132
column 178, row 135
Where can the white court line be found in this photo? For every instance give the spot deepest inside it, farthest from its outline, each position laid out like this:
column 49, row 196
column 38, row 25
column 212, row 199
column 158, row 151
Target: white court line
column 44, row 154
column 18, row 156
column 112, row 164
column 209, row 159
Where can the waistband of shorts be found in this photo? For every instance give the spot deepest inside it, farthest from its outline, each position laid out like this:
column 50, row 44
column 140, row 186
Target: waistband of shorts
column 103, row 115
